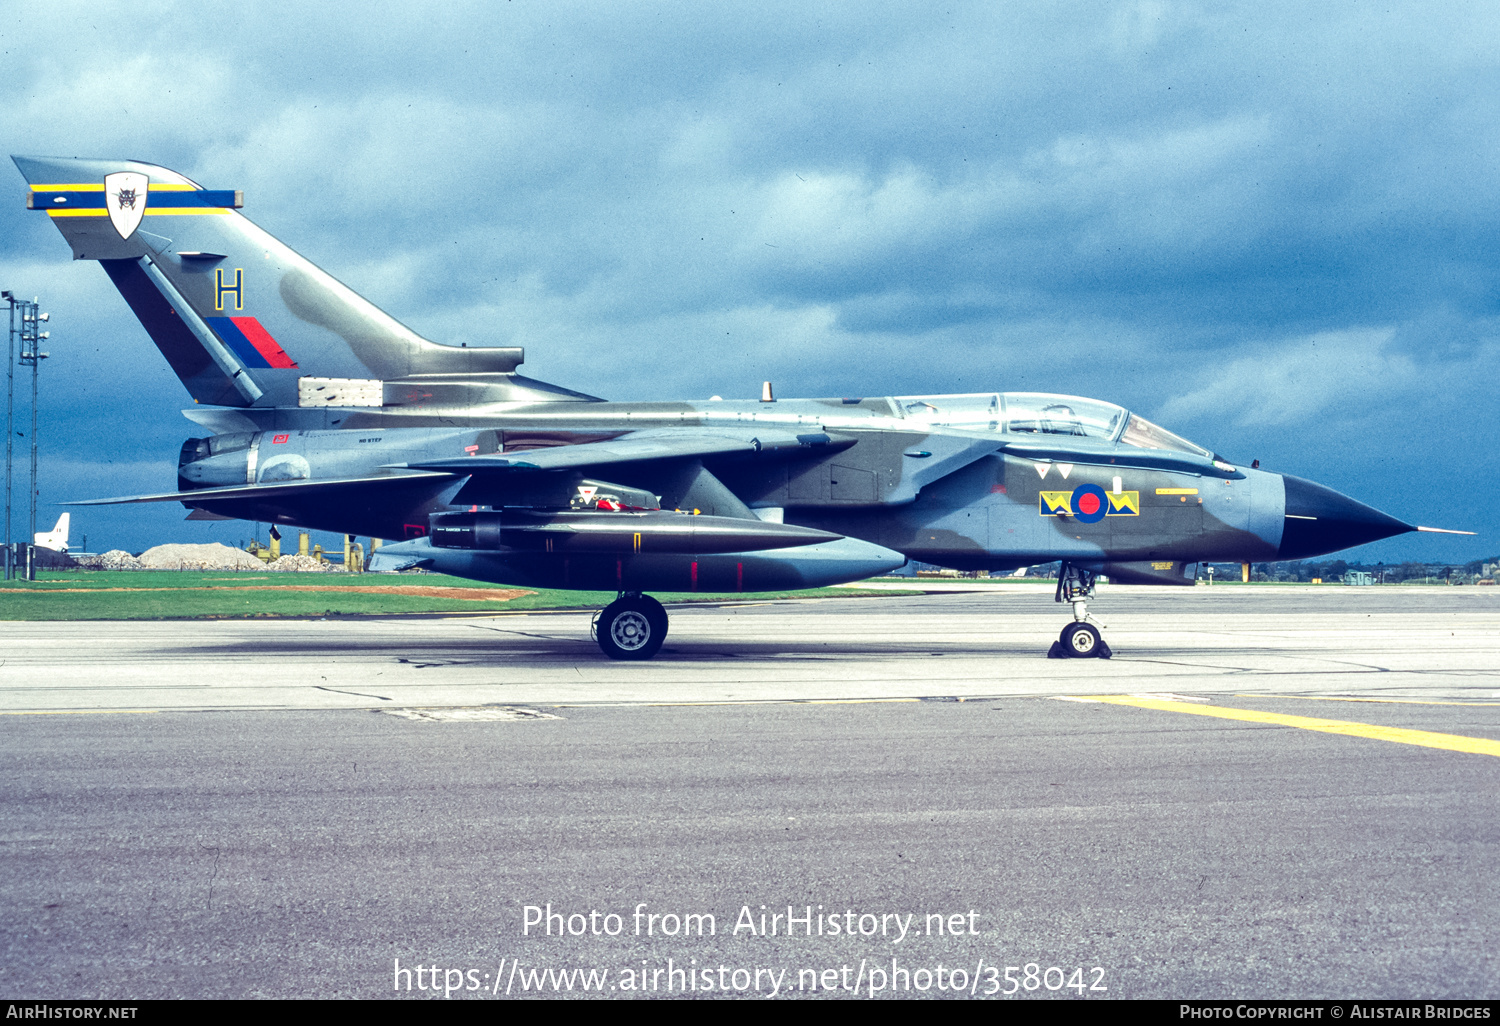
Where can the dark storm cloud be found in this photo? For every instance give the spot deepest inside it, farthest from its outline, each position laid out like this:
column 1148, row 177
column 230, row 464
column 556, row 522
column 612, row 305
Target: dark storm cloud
column 1270, row 225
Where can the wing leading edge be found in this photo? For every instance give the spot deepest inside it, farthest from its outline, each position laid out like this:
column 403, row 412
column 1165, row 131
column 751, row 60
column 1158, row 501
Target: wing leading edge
column 638, row 447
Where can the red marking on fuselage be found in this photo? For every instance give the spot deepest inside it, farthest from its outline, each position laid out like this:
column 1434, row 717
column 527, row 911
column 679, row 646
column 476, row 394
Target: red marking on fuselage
column 281, row 439
column 1088, row 503
column 997, row 488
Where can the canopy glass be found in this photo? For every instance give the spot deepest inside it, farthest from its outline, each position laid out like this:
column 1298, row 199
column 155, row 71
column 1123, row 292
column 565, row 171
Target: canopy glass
column 1041, row 413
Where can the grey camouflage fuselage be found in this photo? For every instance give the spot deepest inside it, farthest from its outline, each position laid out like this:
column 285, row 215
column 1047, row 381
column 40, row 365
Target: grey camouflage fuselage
column 326, row 413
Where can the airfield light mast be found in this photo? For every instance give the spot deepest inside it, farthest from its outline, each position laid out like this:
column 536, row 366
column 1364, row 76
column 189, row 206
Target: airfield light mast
column 30, row 339
column 25, row 329
column 8, row 554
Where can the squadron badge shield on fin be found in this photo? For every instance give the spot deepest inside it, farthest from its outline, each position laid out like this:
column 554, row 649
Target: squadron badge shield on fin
column 125, row 198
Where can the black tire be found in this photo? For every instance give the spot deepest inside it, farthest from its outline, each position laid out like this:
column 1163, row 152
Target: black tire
column 658, row 614
column 1081, row 641
column 630, row 628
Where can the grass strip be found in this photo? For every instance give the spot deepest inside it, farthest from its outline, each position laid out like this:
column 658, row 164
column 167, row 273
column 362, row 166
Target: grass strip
column 188, row 594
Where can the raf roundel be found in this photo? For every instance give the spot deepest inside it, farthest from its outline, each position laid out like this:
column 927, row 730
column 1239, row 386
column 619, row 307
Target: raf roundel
column 1089, row 504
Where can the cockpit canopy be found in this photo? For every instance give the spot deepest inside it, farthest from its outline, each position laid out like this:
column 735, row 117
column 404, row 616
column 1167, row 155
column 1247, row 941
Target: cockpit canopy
column 1039, row 413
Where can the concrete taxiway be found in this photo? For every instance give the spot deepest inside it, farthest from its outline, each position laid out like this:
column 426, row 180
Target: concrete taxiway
column 1387, row 641
column 1264, row 794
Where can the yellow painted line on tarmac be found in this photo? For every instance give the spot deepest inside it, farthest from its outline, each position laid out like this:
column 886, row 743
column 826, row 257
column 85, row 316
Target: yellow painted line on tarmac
column 79, row 712
column 1401, row 735
column 1387, row 701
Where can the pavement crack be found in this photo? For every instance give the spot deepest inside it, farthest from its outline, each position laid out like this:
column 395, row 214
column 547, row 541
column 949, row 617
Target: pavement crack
column 212, row 875
column 524, row 634
column 1195, row 666
column 357, row 694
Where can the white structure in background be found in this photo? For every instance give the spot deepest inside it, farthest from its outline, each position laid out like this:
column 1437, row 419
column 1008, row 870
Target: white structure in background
column 57, row 538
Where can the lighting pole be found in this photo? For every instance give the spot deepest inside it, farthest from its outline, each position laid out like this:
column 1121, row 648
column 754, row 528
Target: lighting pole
column 8, row 554
column 34, row 358
column 23, row 328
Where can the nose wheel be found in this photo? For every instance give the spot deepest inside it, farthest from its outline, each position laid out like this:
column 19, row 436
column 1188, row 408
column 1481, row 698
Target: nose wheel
column 633, row 626
column 1079, row 639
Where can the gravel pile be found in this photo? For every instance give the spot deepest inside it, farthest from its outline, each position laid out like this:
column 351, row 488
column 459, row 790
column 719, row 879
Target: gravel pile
column 114, row 559
column 212, row 556
column 203, row 557
column 302, row 564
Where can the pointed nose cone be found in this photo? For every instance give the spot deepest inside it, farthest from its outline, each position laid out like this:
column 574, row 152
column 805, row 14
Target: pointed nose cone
column 1320, row 520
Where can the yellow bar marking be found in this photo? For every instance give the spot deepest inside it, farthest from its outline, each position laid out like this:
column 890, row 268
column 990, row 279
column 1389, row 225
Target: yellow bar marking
column 1386, row 701
column 159, row 211
column 1401, row 735
column 99, row 187
column 1177, row 491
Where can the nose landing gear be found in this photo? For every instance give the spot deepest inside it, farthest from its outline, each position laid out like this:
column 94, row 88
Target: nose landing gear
column 633, row 626
column 1079, row 639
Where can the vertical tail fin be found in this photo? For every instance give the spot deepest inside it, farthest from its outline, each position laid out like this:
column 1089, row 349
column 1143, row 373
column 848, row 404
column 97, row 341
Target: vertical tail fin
column 55, row 539
column 238, row 315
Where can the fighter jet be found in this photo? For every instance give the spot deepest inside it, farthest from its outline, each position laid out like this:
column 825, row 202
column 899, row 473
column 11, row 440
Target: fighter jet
column 323, row 412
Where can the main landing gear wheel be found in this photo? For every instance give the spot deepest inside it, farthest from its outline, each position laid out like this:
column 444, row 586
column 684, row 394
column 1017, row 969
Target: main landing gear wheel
column 658, row 614
column 631, row 627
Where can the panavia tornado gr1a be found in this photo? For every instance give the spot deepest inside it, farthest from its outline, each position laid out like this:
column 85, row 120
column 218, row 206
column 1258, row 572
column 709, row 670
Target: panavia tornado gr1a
column 325, row 413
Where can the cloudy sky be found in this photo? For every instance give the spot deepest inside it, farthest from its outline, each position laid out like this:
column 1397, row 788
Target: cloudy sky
column 1270, row 226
